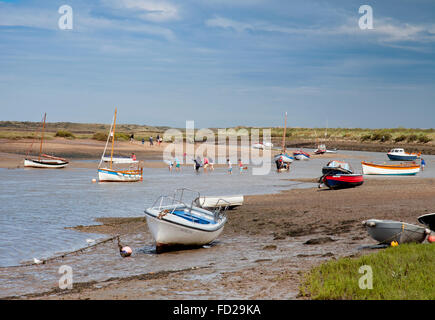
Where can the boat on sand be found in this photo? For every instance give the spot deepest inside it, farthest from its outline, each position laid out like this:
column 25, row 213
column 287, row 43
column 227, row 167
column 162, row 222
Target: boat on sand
column 399, row 154
column 174, row 223
column 216, row 202
column 339, row 175
column 428, row 220
column 390, row 169
column 387, row 231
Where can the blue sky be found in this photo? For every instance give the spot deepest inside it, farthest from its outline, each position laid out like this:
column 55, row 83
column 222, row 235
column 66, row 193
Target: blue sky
column 219, row 62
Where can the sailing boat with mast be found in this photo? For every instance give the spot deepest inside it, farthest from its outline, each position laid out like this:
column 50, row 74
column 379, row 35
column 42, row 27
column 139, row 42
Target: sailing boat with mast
column 283, row 157
column 44, row 160
column 108, row 173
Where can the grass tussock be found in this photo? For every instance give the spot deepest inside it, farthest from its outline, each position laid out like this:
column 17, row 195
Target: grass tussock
column 64, row 134
column 405, row 272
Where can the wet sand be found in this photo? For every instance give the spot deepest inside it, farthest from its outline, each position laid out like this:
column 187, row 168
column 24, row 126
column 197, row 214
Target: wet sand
column 331, row 220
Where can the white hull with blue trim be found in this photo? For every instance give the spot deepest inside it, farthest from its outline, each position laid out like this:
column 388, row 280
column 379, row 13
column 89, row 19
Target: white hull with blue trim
column 181, row 225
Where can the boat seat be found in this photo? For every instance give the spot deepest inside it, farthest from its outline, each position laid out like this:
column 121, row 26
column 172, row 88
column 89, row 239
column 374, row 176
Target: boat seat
column 195, row 219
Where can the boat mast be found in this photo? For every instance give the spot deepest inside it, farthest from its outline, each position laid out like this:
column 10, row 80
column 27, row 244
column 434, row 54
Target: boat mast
column 113, row 140
column 284, row 133
column 42, row 137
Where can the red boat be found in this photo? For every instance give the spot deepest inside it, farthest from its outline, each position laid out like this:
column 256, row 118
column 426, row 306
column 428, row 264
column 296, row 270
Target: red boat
column 342, row 181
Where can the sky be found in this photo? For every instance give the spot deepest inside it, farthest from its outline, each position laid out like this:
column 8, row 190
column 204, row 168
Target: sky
column 220, row 63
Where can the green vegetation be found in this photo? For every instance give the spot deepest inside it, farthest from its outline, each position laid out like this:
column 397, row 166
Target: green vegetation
column 64, row 134
column 405, row 272
column 19, row 130
column 102, row 136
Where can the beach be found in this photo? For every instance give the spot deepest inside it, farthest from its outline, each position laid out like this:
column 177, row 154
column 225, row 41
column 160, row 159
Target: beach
column 291, row 231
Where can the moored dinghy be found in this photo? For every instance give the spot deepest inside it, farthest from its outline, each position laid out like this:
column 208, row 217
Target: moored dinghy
column 109, row 173
column 390, row 169
column 45, row 161
column 339, row 175
column 301, row 155
column 387, row 231
column 174, row 223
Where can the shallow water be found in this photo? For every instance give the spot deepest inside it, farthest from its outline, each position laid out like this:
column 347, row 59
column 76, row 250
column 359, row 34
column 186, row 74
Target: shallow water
column 37, row 205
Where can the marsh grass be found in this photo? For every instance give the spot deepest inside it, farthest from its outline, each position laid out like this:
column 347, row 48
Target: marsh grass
column 405, row 272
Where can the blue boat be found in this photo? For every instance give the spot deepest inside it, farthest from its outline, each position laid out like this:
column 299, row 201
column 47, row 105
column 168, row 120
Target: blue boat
column 399, row 154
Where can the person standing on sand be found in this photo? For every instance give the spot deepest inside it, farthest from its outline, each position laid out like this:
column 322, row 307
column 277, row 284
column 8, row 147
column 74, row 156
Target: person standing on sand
column 151, row 141
column 422, row 164
column 143, row 141
column 211, row 164
column 205, row 164
column 241, row 166
column 177, row 164
column 197, row 165
column 133, row 157
column 158, row 140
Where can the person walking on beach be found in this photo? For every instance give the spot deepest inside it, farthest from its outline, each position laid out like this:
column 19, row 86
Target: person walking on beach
column 177, row 164
column 158, row 140
column 206, row 163
column 151, row 141
column 211, row 164
column 230, row 166
column 133, row 157
column 197, row 165
column 131, row 137
column 143, row 141
column 170, row 165
column 422, row 164
column 241, row 168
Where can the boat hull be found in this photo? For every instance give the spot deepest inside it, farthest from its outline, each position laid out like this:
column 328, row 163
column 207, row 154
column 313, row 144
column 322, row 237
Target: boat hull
column 386, row 231
column 107, row 175
column 374, row 169
column 395, row 157
column 45, row 163
column 343, row 181
column 285, row 158
column 170, row 232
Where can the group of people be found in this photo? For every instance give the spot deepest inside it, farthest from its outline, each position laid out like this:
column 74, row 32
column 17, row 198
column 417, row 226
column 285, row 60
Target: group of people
column 206, row 164
column 159, row 140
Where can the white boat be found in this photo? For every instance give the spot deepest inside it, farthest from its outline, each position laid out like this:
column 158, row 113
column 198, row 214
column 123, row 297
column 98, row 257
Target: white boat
column 44, row 161
column 173, row 223
column 108, row 173
column 388, row 169
column 217, row 202
column 263, row 146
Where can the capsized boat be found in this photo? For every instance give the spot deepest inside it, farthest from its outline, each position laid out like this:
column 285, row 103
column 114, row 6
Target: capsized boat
column 207, row 202
column 399, row 154
column 387, row 231
column 342, row 181
column 301, row 155
column 108, row 172
column 428, row 220
column 44, row 160
column 174, row 223
column 390, row 169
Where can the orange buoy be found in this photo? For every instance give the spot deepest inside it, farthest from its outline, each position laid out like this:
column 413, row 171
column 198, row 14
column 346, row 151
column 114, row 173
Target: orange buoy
column 431, row 238
column 394, row 243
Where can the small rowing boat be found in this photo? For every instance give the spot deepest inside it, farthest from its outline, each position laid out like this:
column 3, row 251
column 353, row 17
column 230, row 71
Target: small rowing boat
column 337, row 167
column 399, row 154
column 216, row 202
column 173, row 223
column 387, row 231
column 390, row 169
column 342, row 181
column 44, row 161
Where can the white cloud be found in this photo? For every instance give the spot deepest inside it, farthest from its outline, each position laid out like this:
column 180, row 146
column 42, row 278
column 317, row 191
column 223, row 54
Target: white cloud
column 151, row 10
column 385, row 29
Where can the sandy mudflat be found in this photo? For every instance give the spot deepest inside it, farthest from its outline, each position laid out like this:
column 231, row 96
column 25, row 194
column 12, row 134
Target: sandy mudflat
column 332, row 218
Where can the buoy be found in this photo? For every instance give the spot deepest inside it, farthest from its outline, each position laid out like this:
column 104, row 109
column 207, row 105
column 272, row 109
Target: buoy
column 94, row 180
column 394, row 243
column 126, row 251
column 431, row 238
